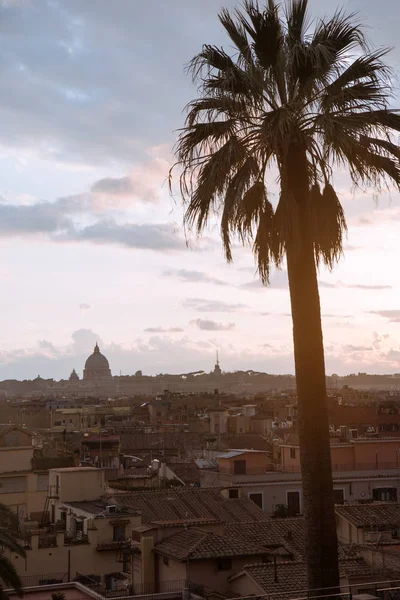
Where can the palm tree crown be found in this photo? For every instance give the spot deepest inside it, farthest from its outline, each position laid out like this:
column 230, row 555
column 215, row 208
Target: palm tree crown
column 323, row 92
column 9, row 536
column 288, row 105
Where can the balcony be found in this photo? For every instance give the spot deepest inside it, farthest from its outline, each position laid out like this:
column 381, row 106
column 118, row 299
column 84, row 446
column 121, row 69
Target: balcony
column 164, row 589
column 75, row 540
column 47, row 541
column 115, row 545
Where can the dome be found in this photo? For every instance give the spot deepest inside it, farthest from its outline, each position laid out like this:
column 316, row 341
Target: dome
column 74, row 376
column 96, row 365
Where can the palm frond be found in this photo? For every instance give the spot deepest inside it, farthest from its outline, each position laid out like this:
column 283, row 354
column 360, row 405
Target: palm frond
column 237, row 33
column 9, row 575
column 297, row 21
column 328, row 224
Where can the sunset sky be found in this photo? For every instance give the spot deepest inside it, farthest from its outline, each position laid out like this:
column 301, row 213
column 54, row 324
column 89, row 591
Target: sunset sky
column 92, row 244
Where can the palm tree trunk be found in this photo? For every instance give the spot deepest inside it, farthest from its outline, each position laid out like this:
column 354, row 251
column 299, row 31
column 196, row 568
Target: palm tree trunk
column 313, row 424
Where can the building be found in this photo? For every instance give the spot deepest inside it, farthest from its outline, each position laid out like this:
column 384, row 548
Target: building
column 22, row 487
column 96, row 366
column 86, row 536
column 277, row 488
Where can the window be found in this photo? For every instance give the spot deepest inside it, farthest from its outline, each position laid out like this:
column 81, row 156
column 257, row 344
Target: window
column 293, row 503
column 10, row 485
column 233, row 493
column 118, row 533
column 338, row 496
column 239, row 467
column 292, row 452
column 385, row 494
column 165, row 561
column 224, row 564
column 257, row 499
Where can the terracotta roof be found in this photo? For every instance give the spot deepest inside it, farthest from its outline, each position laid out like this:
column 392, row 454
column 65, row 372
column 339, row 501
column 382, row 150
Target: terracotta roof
column 190, row 504
column 187, row 472
column 379, row 514
column 292, row 576
column 250, row 441
column 283, row 535
column 194, row 544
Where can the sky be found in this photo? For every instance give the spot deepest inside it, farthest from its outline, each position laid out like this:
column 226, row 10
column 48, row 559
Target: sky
column 92, row 247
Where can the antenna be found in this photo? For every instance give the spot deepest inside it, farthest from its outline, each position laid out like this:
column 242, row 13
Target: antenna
column 217, row 358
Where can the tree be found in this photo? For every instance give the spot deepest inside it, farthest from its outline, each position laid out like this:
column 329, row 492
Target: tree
column 290, row 104
column 9, row 536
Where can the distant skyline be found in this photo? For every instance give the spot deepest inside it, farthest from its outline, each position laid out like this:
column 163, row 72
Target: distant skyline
column 92, row 245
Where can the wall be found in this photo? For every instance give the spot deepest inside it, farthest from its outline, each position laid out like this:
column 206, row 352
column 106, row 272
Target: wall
column 31, row 499
column 14, row 438
column 84, row 558
column 16, row 459
column 256, row 462
column 245, row 586
column 347, row 533
column 370, row 451
column 77, row 484
column 205, row 572
column 202, row 572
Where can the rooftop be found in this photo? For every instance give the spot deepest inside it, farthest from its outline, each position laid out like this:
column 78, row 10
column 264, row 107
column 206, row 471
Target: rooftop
column 187, row 472
column 378, row 514
column 166, row 507
column 292, row 576
column 99, row 507
column 194, row 544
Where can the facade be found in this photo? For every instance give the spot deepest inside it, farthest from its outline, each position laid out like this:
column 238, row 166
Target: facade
column 21, row 487
column 87, row 536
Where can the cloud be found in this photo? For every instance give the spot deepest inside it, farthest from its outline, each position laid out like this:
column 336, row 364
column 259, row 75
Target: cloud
column 278, row 280
column 379, row 340
column 194, row 276
column 391, row 315
column 353, row 348
column 334, row 316
column 144, row 183
column 353, row 286
column 115, row 186
column 84, row 306
column 145, row 236
column 163, row 330
column 54, row 222
column 205, row 305
column 208, row 325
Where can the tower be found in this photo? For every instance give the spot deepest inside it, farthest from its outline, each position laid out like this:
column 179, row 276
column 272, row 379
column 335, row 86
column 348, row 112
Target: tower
column 217, row 368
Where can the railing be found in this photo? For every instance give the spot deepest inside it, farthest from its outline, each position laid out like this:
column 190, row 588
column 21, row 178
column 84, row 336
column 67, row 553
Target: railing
column 385, row 590
column 122, row 588
column 48, row 541
column 43, row 579
column 374, row 466
column 114, row 544
column 75, row 540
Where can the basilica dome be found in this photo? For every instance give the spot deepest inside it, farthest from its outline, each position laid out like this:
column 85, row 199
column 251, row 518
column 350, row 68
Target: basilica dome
column 96, row 366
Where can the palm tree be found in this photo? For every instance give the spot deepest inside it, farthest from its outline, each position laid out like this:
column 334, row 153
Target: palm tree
column 289, row 104
column 9, row 536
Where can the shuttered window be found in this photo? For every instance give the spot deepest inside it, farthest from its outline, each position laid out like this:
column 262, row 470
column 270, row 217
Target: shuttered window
column 9, row 485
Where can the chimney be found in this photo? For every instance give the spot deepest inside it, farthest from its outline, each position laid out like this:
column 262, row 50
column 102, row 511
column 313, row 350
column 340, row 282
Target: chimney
column 288, row 535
